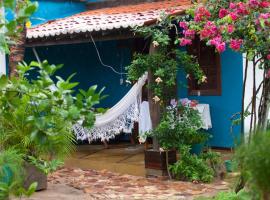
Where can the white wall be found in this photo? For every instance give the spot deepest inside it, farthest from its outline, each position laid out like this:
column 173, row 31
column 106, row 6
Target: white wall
column 249, row 89
column 2, row 55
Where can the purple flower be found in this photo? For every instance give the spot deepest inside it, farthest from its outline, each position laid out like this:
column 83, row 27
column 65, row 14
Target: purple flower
column 173, row 103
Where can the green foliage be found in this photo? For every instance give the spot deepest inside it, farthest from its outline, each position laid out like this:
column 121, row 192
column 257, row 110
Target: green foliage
column 21, row 11
column 190, row 65
column 191, row 167
column 11, row 162
column 11, row 175
column 159, row 32
column 254, row 160
column 164, row 62
column 13, row 189
column 179, row 125
column 162, row 66
column 36, row 116
column 213, row 159
column 241, row 195
column 46, row 167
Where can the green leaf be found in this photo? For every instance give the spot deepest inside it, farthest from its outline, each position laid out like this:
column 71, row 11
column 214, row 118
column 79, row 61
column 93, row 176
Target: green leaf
column 31, row 190
column 3, row 81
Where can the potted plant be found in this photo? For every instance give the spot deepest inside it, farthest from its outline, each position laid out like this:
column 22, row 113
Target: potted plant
column 37, row 116
column 179, row 126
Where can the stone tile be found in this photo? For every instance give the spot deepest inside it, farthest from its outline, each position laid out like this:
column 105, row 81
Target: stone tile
column 107, row 185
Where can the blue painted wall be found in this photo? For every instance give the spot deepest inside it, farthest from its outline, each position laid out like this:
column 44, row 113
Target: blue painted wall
column 82, row 59
column 224, row 106
column 54, row 9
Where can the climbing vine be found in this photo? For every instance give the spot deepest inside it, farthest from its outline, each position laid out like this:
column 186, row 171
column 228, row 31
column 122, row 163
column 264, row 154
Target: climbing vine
column 165, row 61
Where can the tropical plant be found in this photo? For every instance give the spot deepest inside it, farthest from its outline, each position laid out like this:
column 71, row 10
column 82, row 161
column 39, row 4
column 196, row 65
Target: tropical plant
column 11, row 175
column 37, row 115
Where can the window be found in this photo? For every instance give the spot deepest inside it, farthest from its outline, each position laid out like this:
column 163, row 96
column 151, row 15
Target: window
column 209, row 61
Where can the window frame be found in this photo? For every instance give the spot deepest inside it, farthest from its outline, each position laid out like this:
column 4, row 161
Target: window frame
column 206, row 92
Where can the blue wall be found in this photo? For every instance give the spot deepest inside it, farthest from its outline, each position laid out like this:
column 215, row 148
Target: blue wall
column 54, row 9
column 82, row 59
column 224, row 106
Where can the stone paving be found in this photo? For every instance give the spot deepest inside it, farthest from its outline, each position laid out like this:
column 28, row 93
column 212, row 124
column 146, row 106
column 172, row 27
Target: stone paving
column 108, row 185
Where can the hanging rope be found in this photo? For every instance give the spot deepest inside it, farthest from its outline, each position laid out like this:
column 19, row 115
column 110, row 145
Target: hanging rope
column 100, row 60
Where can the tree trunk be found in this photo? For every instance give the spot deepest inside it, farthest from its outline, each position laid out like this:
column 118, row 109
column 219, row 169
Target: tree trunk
column 264, row 107
column 18, row 49
column 17, row 53
column 154, row 106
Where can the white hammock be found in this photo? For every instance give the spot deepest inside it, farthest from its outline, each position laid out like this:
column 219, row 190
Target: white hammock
column 120, row 118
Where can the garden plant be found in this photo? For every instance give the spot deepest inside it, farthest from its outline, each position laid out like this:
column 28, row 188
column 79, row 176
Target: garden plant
column 179, row 127
column 244, row 26
column 38, row 110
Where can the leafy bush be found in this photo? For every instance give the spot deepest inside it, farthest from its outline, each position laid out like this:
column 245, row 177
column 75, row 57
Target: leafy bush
column 36, row 116
column 179, row 126
column 213, row 159
column 254, row 161
column 11, row 175
column 191, row 167
column 242, row 195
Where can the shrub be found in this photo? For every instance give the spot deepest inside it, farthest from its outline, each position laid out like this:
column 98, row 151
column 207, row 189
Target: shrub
column 11, row 175
column 37, row 115
column 191, row 167
column 254, row 161
column 180, row 125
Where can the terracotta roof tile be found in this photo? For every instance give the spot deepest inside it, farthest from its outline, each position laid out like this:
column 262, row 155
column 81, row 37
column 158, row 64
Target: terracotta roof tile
column 108, row 18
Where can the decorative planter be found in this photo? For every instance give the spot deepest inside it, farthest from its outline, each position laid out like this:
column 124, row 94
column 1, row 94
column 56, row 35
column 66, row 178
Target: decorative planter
column 33, row 174
column 155, row 162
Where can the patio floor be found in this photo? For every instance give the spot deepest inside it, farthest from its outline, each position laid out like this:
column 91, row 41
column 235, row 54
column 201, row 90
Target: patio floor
column 117, row 173
column 119, row 158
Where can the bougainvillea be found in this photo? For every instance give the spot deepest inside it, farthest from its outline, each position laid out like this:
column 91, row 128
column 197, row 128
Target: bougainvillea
column 242, row 25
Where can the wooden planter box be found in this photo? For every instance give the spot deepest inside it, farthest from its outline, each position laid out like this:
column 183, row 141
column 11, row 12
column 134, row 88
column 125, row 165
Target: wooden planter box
column 155, row 162
column 33, row 174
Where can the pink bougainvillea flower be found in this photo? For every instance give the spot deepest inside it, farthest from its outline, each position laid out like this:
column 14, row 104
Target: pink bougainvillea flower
column 235, row 44
column 184, row 42
column 268, row 56
column 218, row 43
column 233, row 16
column 209, row 30
column 232, row 5
column 215, row 41
column 253, row 3
column 201, row 14
column 223, row 12
column 242, row 8
column 265, row 4
column 183, row 25
column 189, row 33
column 264, row 15
column 231, row 28
column 221, row 47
